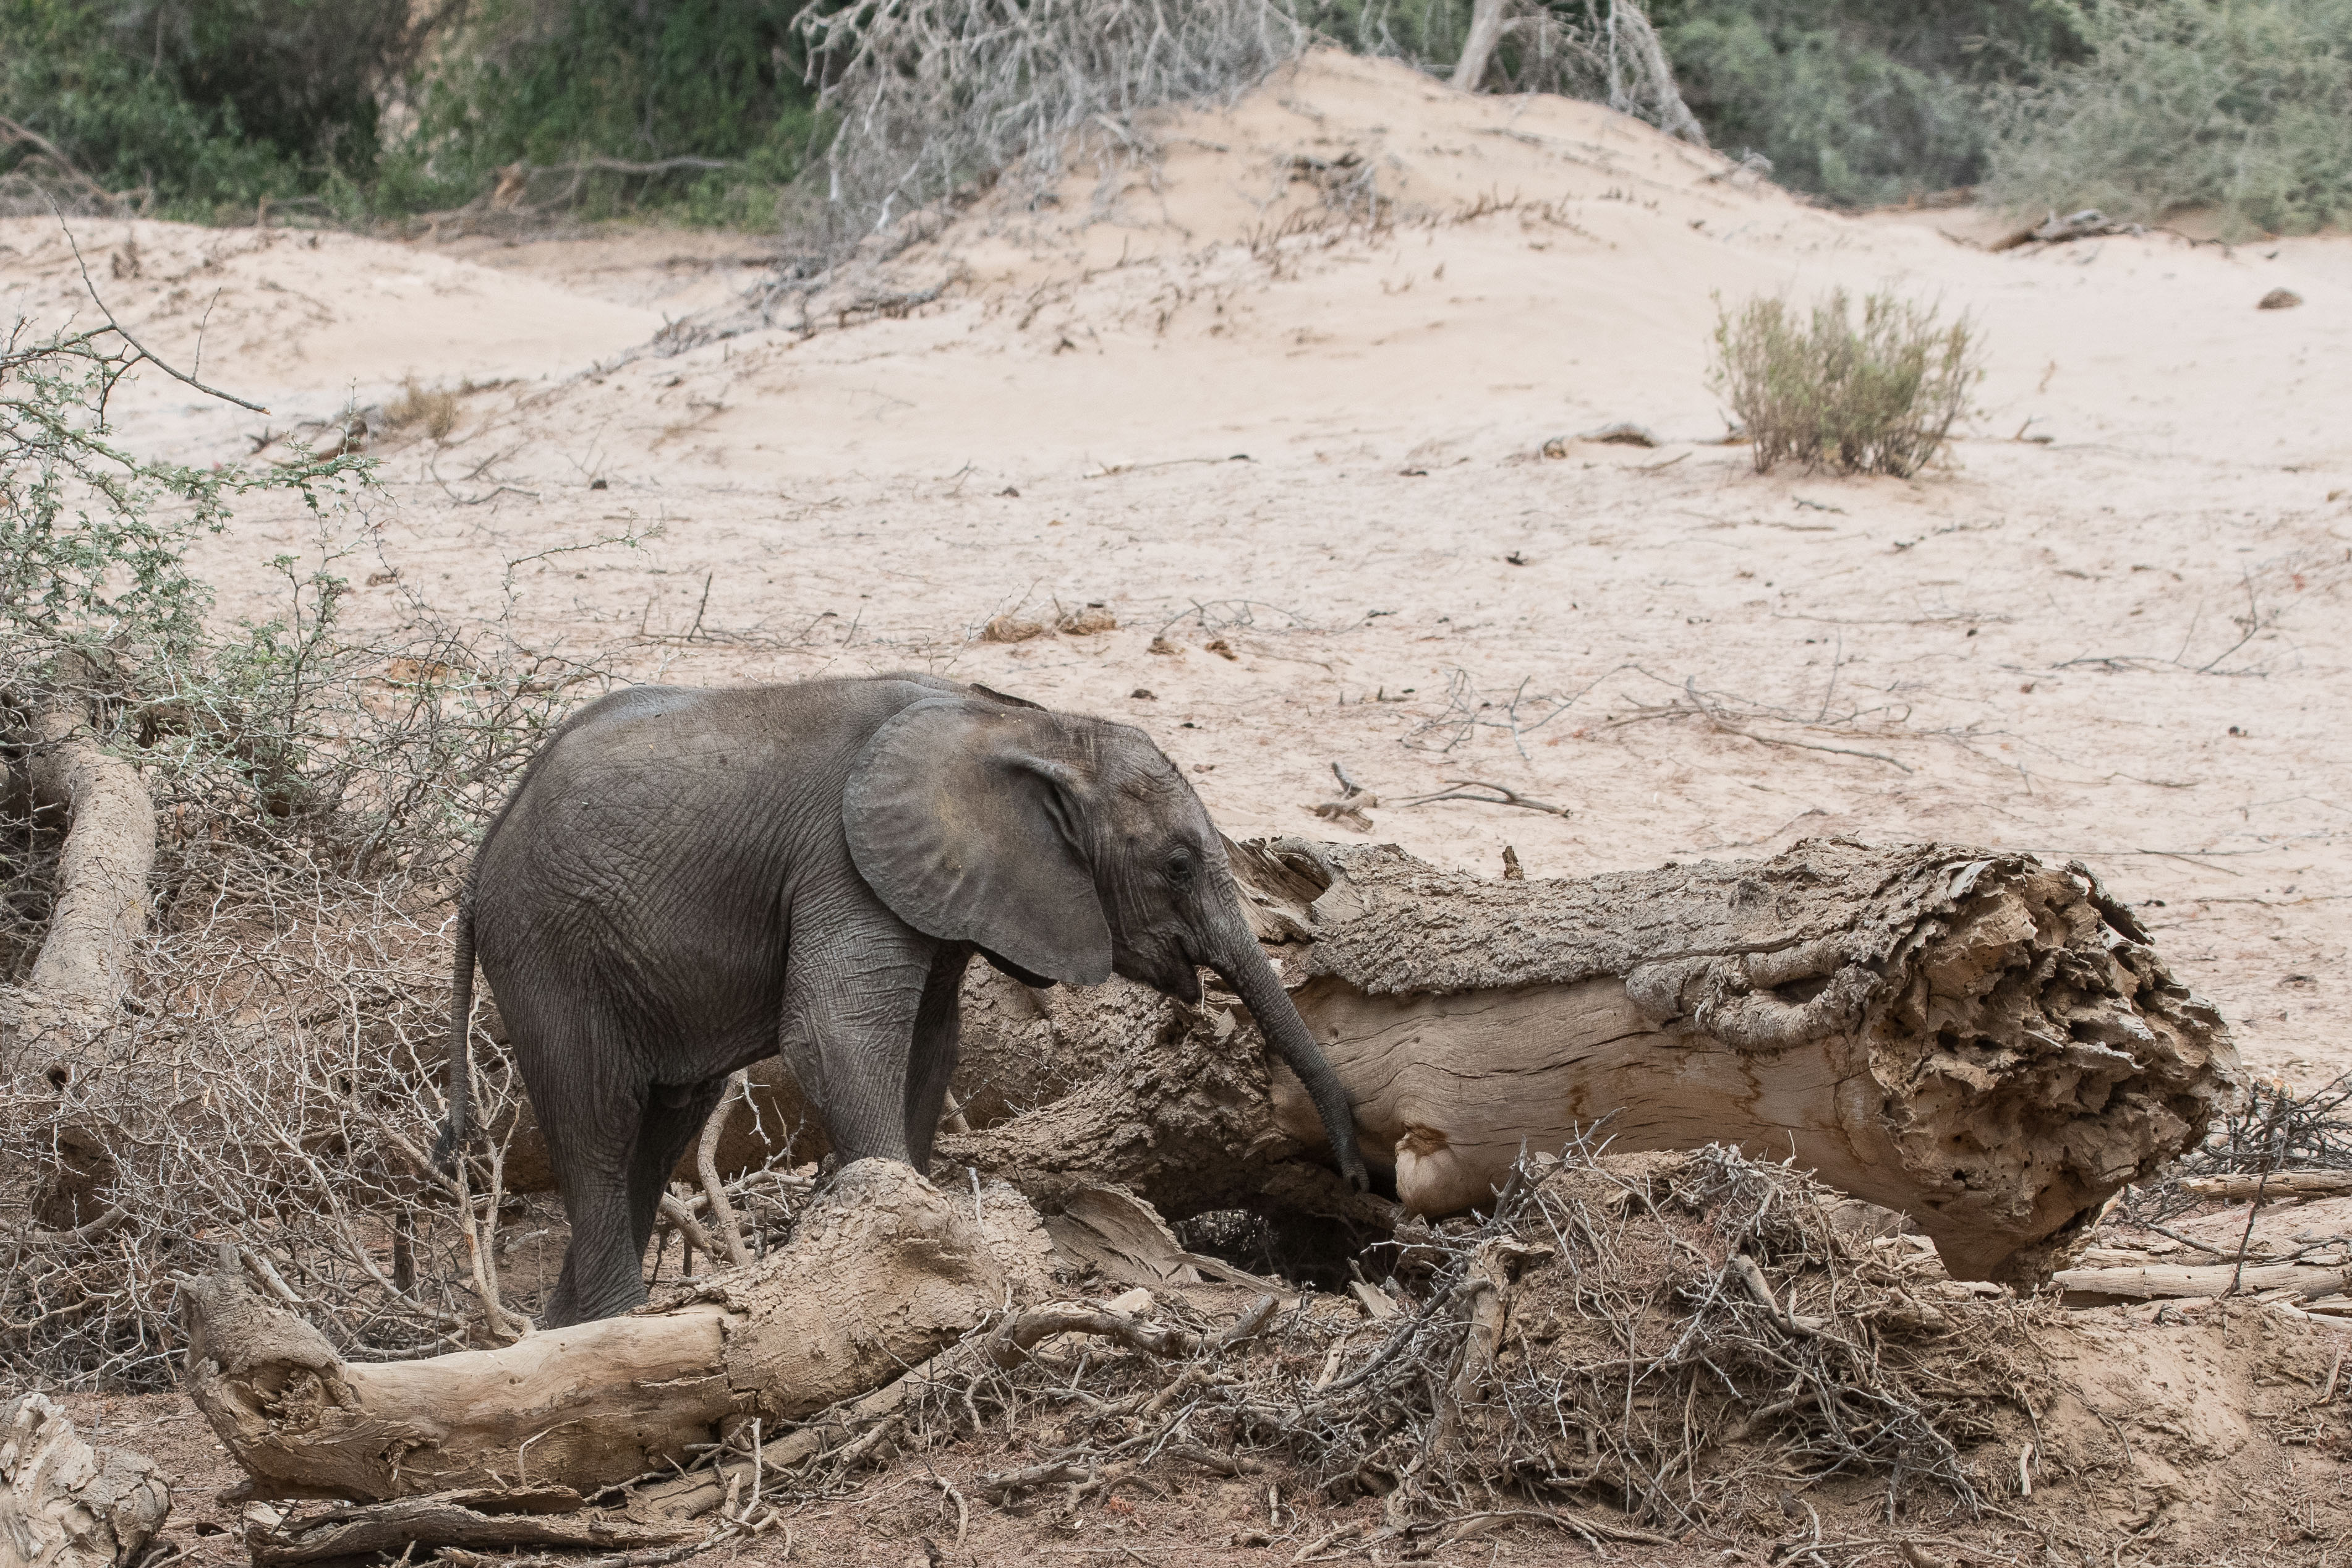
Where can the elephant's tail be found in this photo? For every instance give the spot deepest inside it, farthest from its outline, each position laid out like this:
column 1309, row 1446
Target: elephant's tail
column 454, row 1128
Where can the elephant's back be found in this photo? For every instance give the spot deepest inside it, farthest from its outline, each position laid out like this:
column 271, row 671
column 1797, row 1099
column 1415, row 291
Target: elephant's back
column 658, row 816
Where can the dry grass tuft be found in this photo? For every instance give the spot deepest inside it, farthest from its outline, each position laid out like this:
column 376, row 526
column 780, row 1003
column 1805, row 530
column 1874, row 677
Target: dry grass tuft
column 435, row 408
column 1876, row 397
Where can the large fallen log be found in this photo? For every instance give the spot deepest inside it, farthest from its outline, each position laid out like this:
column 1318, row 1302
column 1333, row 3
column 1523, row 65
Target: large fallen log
column 1984, row 1042
column 884, row 1271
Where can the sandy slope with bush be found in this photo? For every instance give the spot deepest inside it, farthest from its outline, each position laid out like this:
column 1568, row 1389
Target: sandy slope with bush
column 1289, row 390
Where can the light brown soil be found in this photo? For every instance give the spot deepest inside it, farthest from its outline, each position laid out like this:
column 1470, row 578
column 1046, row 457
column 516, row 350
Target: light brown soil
column 2126, row 644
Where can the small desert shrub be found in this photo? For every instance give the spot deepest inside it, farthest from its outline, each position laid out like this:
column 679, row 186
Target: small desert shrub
column 2240, row 105
column 1877, row 398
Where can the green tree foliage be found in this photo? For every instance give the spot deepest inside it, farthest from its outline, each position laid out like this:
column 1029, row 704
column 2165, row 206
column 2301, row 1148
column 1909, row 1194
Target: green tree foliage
column 351, row 109
column 204, row 103
column 373, row 107
column 1858, row 100
column 2240, row 105
column 554, row 82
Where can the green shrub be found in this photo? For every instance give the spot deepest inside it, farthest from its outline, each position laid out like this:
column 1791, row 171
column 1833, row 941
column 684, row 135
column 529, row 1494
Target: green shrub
column 1861, row 101
column 351, row 109
column 208, row 106
column 632, row 80
column 1879, row 397
column 2240, row 105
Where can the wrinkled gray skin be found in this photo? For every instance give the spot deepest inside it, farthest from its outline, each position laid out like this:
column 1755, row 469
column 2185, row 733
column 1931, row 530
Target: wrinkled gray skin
column 688, row 880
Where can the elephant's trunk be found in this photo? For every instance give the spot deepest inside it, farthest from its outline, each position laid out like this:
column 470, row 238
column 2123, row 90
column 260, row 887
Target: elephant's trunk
column 1238, row 961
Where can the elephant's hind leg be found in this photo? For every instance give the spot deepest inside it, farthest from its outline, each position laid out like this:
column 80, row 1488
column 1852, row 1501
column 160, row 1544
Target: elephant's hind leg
column 591, row 1099
column 673, row 1115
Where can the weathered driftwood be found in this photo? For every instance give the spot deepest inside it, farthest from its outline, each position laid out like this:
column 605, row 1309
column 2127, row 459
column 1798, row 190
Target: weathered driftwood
column 2277, row 1187
column 484, row 1519
column 884, row 1271
column 64, row 1504
column 2178, row 1281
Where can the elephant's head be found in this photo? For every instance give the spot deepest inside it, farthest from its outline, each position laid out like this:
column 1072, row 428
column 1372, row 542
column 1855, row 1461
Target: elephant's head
column 1067, row 848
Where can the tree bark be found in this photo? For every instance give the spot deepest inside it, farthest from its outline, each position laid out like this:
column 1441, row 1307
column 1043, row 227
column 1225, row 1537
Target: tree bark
column 884, row 1271
column 64, row 1504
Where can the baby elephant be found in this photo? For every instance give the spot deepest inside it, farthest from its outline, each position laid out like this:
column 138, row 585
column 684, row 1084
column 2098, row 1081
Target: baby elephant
column 686, row 880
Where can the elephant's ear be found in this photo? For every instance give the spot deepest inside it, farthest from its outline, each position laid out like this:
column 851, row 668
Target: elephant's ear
column 963, row 823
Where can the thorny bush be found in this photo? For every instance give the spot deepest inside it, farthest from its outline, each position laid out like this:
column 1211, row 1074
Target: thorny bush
column 269, row 1082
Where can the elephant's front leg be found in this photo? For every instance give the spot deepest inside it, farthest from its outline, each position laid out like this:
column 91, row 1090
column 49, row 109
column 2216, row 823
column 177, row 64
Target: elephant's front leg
column 852, row 1001
column 939, row 1029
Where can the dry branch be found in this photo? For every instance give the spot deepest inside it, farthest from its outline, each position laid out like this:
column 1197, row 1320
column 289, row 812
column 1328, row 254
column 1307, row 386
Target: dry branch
column 2174, row 1280
column 884, row 1272
column 497, row 1518
column 1478, row 49
column 2279, row 1186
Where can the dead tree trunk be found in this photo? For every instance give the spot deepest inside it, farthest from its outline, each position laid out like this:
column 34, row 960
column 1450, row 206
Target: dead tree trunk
column 102, row 906
column 1975, row 1039
column 1478, row 49
column 60, row 1025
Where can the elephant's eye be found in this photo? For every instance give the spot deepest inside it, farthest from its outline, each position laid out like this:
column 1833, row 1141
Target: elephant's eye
column 1180, row 865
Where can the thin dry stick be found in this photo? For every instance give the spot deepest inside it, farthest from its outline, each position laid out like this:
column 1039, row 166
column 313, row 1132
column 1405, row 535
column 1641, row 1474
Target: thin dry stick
column 1503, row 795
column 706, row 1164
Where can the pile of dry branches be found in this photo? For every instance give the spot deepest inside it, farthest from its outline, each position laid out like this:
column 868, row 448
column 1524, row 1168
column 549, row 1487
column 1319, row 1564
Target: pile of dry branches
column 1628, row 1345
column 2274, row 1143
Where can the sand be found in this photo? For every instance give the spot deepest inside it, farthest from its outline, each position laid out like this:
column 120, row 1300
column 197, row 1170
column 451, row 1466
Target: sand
column 1232, row 401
